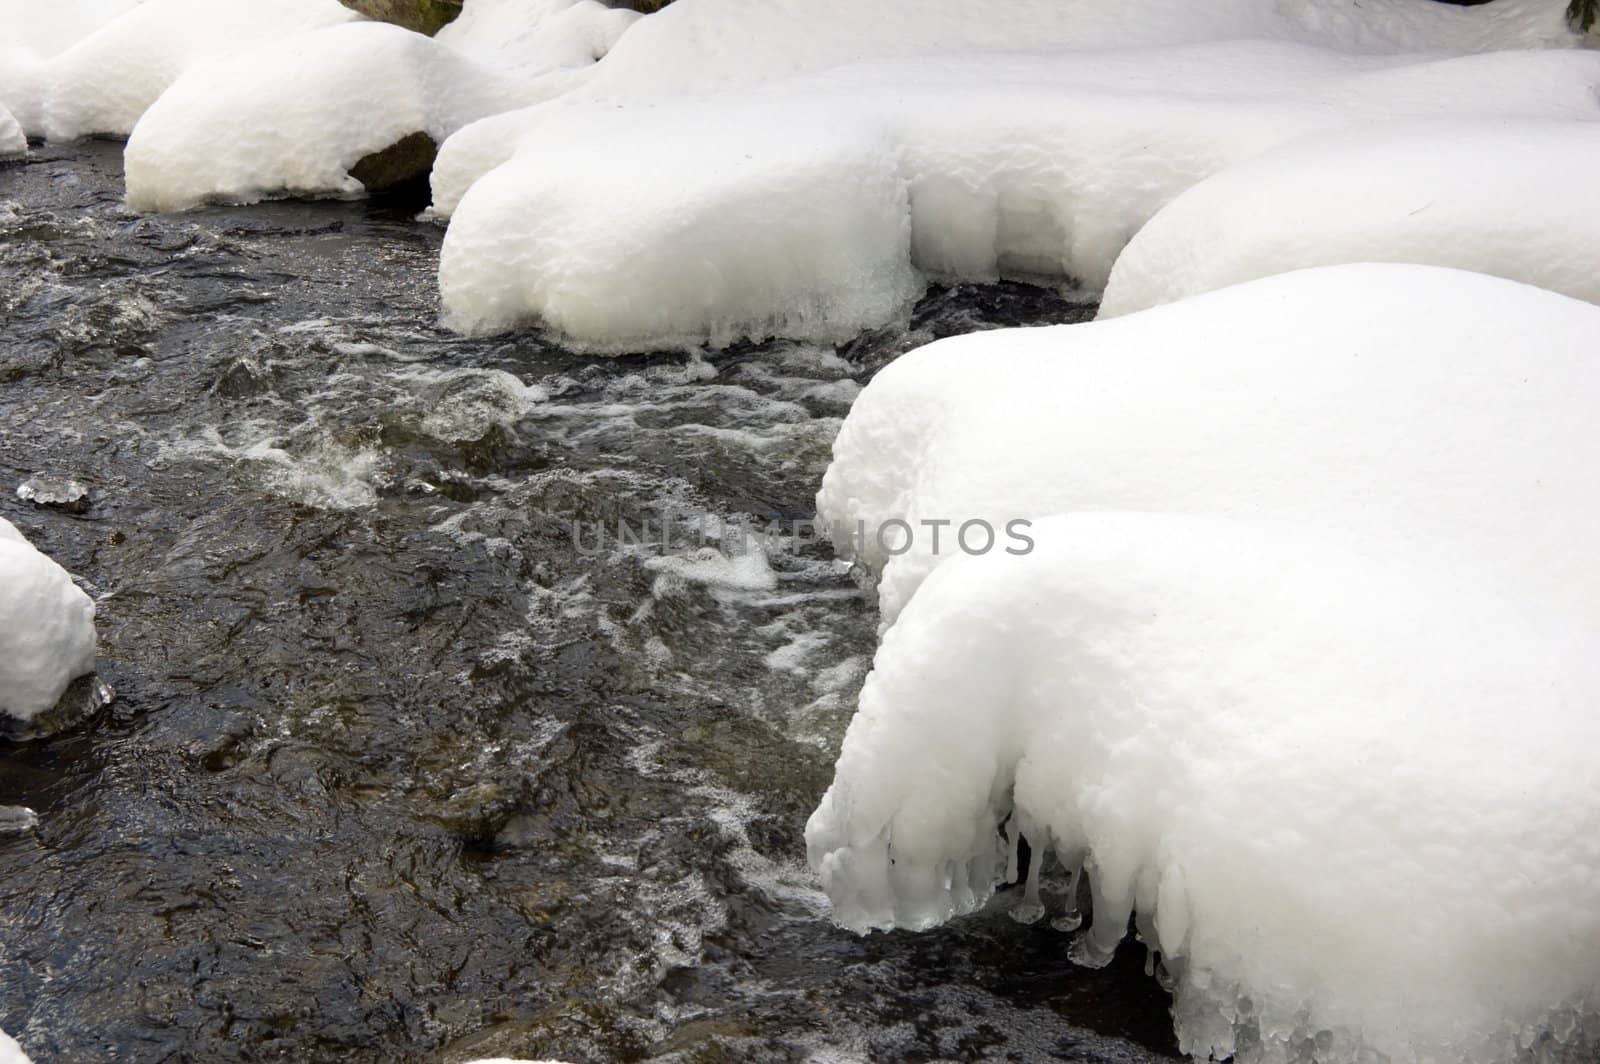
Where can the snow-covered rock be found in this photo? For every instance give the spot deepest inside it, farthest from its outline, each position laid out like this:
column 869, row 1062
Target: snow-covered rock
column 76, row 67
column 47, row 636
column 1350, row 796
column 1494, row 197
column 10, row 1052
column 31, row 33
column 295, row 116
column 820, row 206
column 959, row 140
column 1295, row 653
column 105, row 82
column 1368, row 403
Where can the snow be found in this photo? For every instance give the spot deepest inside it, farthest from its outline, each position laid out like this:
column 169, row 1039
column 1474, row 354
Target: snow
column 81, row 67
column 1302, row 548
column 30, row 34
column 104, row 83
column 821, row 205
column 1292, row 761
column 1494, row 197
column 1355, row 400
column 47, row 636
column 296, row 115
column 10, row 1052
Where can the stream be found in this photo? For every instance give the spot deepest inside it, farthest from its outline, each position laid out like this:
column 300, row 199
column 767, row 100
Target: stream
column 413, row 756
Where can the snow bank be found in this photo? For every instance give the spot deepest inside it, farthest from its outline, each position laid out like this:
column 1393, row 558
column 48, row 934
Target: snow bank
column 1362, row 402
column 1292, row 761
column 47, row 637
column 1494, row 197
column 297, row 115
column 714, row 218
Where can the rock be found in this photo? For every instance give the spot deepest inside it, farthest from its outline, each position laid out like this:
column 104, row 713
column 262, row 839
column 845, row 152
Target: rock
column 423, row 16
column 61, row 493
column 83, row 698
column 17, row 820
column 407, row 160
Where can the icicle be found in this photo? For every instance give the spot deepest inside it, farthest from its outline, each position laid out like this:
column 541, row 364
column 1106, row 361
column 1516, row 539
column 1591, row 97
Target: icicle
column 1030, row 909
column 1072, row 919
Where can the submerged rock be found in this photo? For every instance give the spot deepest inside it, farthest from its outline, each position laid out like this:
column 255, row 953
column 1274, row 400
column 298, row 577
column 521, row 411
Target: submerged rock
column 423, row 16
column 407, row 160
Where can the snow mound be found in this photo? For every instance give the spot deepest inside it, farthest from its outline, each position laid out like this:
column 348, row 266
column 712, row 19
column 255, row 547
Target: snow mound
column 705, row 46
column 1494, row 197
column 105, row 82
column 31, row 33
column 1364, row 402
column 12, row 140
column 47, row 636
column 1292, row 762
column 10, row 1052
column 881, row 176
column 296, row 115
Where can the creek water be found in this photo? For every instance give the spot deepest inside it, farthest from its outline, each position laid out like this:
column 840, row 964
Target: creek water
column 409, row 761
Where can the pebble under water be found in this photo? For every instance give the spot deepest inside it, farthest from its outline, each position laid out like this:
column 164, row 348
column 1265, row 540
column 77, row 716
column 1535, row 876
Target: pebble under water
column 399, row 769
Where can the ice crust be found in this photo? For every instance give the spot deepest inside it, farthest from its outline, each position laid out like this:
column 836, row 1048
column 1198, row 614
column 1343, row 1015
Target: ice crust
column 1491, row 196
column 47, row 636
column 870, row 148
column 296, row 115
column 1300, row 669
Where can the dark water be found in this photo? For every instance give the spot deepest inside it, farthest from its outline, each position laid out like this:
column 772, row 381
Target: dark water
column 397, row 770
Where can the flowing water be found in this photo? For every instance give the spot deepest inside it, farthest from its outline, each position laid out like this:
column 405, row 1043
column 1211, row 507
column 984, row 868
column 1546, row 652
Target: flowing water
column 412, row 757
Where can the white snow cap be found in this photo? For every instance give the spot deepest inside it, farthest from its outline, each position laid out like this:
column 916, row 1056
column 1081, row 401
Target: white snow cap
column 104, row 83
column 10, row 1052
column 89, row 67
column 1450, row 409
column 31, row 32
column 1301, row 665
column 1492, row 196
column 1297, row 764
column 47, row 636
column 640, row 210
column 295, row 115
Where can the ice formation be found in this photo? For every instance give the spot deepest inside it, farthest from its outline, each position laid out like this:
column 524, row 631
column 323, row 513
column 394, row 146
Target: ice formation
column 972, row 162
column 47, row 636
column 1293, row 762
column 1302, row 548
column 12, row 139
column 1495, row 197
column 296, row 116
